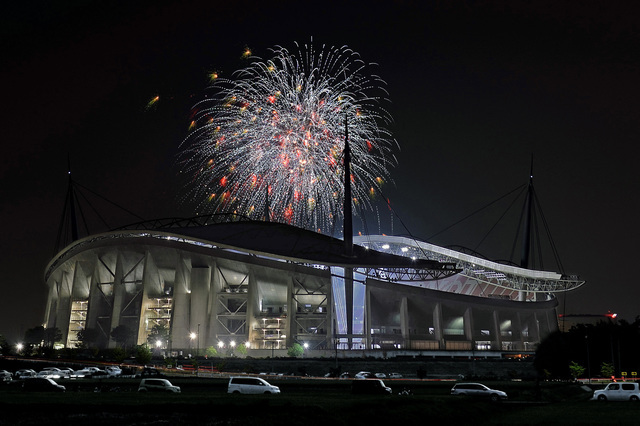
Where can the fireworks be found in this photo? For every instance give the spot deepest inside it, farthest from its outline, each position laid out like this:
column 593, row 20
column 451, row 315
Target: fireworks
column 270, row 139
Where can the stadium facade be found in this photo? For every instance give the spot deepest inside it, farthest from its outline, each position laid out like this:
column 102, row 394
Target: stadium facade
column 269, row 285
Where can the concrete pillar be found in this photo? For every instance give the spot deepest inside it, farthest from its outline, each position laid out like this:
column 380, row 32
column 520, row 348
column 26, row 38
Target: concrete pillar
column 404, row 322
column 518, row 327
column 52, row 303
column 64, row 304
column 289, row 324
column 119, row 293
column 367, row 317
column 496, row 328
column 98, row 305
column 200, row 286
column 437, row 324
column 253, row 309
column 468, row 327
column 181, row 306
column 213, row 305
column 147, row 284
column 348, row 293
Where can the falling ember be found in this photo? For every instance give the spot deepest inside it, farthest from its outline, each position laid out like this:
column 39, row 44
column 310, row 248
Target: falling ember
column 275, row 133
column 152, row 102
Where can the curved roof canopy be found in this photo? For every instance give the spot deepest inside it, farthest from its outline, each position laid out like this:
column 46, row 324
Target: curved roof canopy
column 276, row 240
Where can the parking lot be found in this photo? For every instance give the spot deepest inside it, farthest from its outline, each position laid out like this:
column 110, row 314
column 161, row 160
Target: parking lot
column 309, row 401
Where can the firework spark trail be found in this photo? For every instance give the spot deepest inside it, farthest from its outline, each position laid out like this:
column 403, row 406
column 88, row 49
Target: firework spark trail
column 272, row 136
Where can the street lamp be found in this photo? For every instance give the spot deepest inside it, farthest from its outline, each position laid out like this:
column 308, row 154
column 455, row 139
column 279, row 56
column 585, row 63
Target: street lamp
column 586, row 339
column 198, row 342
column 192, row 336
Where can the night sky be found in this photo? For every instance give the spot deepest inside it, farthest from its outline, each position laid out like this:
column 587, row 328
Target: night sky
column 476, row 90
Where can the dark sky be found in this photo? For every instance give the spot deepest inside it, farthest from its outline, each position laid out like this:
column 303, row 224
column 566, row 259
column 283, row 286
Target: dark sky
column 476, row 89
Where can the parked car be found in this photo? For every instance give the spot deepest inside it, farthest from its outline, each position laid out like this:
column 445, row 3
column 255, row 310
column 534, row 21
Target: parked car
column 478, row 390
column 45, row 374
column 157, row 385
column 25, row 373
column 380, row 376
column 41, row 384
column 113, row 370
column 89, row 372
column 54, row 373
column 67, row 371
column 618, row 392
column 251, row 385
column 149, row 372
column 100, row 374
column 370, row 387
column 5, row 376
column 364, row 375
column 395, row 376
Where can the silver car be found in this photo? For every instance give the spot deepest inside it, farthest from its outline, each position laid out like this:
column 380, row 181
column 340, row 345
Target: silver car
column 251, row 385
column 478, row 390
column 618, row 392
column 5, row 376
column 157, row 385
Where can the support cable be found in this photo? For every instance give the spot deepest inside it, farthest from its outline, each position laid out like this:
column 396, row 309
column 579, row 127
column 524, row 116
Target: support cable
column 474, row 213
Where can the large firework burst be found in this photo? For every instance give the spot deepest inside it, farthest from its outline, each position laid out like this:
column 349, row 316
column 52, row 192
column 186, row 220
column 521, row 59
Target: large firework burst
column 270, row 139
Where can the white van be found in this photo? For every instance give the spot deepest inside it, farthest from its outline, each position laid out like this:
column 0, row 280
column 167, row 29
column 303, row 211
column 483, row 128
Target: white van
column 625, row 391
column 251, row 385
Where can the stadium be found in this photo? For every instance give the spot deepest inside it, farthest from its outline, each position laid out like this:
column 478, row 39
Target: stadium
column 224, row 280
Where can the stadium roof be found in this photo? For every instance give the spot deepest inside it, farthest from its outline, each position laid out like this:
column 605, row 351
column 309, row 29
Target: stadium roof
column 277, row 240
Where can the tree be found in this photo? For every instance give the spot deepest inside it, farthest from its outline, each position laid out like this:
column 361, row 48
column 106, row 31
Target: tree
column 606, row 369
column 552, row 356
column 576, row 369
column 242, row 349
column 51, row 336
column 5, row 347
column 211, row 351
column 34, row 336
column 159, row 332
column 122, row 335
column 118, row 354
column 295, row 350
column 143, row 354
column 88, row 337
